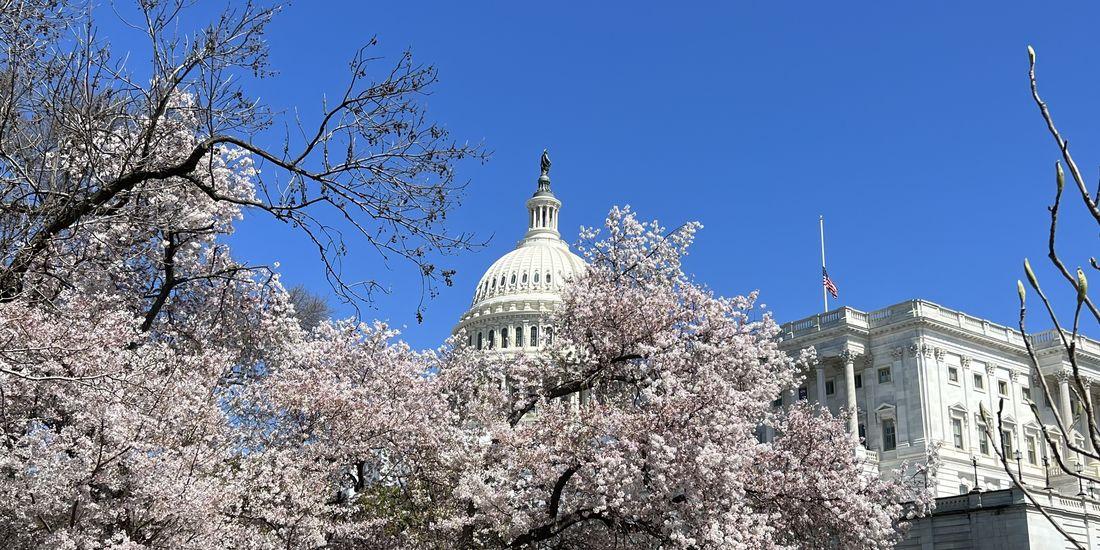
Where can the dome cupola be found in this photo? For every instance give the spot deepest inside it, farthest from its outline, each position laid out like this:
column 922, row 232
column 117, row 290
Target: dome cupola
column 543, row 206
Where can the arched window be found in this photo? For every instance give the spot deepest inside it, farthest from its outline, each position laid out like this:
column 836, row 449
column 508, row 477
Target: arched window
column 492, row 338
column 485, row 287
column 547, row 277
column 479, row 340
column 536, row 277
column 549, row 335
column 525, row 278
column 513, row 278
column 519, row 337
column 502, row 280
column 494, row 283
column 534, row 337
column 504, row 336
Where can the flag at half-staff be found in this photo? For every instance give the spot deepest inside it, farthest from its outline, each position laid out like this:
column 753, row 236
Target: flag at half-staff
column 829, row 284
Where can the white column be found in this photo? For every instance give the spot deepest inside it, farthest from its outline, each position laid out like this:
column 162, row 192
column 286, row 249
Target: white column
column 821, row 386
column 1084, row 419
column 1063, row 401
column 1014, row 397
column 850, row 388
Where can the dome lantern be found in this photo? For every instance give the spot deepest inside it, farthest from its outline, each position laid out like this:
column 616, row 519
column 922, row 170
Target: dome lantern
column 543, row 206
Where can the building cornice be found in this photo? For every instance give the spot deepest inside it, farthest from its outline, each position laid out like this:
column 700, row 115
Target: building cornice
column 860, row 325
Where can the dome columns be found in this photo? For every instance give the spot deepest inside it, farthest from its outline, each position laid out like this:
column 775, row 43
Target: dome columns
column 543, row 216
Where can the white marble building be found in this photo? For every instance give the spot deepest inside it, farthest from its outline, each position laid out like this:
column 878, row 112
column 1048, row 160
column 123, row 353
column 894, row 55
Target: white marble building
column 515, row 296
column 915, row 373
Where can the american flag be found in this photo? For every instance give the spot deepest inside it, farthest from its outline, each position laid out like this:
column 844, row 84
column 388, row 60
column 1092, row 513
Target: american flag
column 829, row 284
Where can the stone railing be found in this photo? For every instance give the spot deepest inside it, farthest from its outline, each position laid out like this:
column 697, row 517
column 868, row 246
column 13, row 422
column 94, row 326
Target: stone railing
column 872, row 456
column 837, row 317
column 1050, row 339
column 1056, row 472
column 911, row 309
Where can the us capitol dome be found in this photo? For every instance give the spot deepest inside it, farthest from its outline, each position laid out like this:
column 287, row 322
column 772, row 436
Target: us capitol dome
column 515, row 296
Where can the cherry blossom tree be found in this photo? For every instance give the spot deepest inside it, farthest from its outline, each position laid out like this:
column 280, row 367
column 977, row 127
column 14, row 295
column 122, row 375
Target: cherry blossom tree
column 157, row 393
column 146, row 374
column 638, row 425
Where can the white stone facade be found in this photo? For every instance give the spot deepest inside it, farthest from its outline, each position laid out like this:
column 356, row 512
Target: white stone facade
column 919, row 373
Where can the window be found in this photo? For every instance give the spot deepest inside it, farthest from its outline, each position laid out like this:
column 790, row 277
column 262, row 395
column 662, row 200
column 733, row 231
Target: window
column 494, row 283
column 803, row 393
column 492, row 338
column 859, row 381
column 1032, row 457
column 519, row 336
column 884, row 375
column 1006, row 444
column 983, row 440
column 549, row 335
column 535, row 335
column 536, row 277
column 889, row 437
column 830, row 387
column 953, row 375
column 863, row 432
column 479, row 340
column 548, row 278
column 524, row 280
column 957, row 432
column 513, row 278
column 979, row 382
column 1025, row 391
column 504, row 336
column 1002, row 388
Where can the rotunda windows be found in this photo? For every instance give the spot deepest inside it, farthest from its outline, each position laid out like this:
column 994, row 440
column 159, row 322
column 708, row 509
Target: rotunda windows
column 492, row 338
column 513, row 278
column 547, row 277
column 536, row 277
column 524, row 277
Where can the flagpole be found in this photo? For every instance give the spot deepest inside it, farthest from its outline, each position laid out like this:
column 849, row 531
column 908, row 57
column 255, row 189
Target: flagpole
column 824, row 291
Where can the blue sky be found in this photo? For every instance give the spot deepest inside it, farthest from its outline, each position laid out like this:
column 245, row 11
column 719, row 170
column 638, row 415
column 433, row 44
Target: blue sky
column 909, row 126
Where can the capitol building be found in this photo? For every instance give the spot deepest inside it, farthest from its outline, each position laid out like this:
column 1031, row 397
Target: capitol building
column 906, row 376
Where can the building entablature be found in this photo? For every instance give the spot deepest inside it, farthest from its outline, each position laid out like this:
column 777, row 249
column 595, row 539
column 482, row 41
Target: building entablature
column 845, row 328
